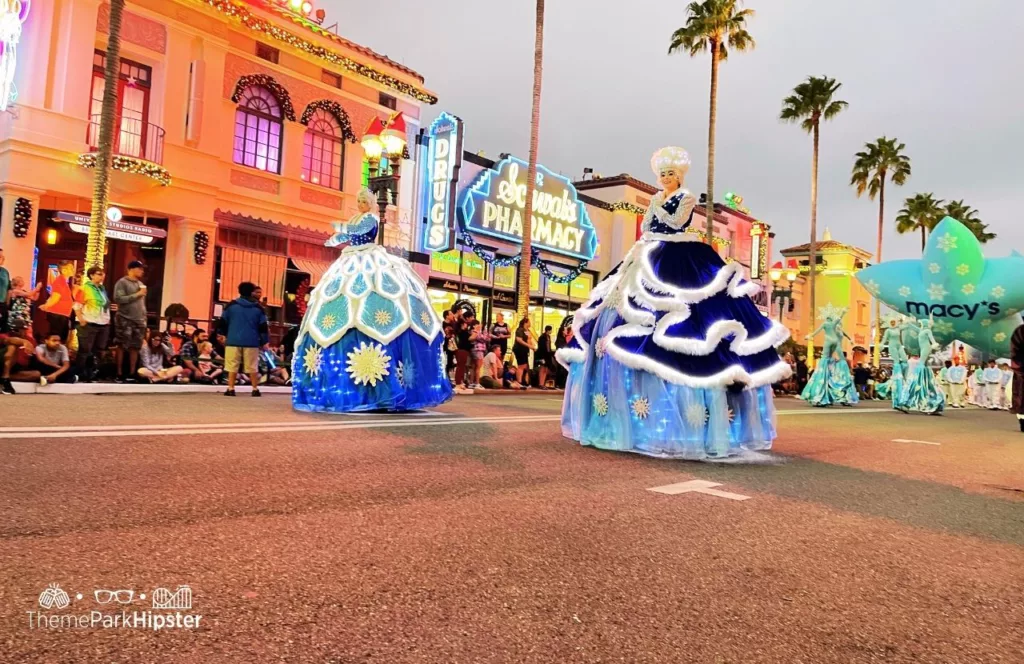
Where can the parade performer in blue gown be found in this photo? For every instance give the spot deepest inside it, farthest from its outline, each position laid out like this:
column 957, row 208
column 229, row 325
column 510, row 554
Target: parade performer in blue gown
column 920, row 392
column 670, row 357
column 831, row 383
column 892, row 341
column 369, row 339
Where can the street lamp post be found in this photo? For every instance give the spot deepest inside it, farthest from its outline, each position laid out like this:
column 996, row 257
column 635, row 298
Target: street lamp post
column 383, row 144
column 782, row 288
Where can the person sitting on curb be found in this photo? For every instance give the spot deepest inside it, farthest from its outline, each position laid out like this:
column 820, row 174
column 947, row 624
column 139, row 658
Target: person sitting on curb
column 54, row 362
column 18, row 359
column 245, row 325
column 154, row 356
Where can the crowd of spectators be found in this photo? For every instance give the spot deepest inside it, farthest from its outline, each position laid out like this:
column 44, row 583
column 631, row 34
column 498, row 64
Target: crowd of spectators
column 90, row 336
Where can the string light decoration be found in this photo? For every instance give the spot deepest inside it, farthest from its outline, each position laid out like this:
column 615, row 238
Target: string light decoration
column 241, row 13
column 508, row 261
column 200, row 244
column 717, row 241
column 335, row 109
column 628, row 207
column 130, row 165
column 268, row 82
column 22, row 217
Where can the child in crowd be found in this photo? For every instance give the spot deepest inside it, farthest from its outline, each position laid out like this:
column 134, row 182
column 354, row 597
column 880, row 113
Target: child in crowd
column 207, row 366
column 20, row 312
column 53, row 361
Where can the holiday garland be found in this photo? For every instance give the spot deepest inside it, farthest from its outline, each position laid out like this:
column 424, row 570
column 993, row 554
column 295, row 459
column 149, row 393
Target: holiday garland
column 335, row 109
column 507, row 261
column 130, row 165
column 268, row 82
column 257, row 24
column 200, row 243
column 302, row 297
column 628, row 207
column 22, row 217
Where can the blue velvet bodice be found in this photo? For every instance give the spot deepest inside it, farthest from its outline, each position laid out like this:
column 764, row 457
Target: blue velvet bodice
column 361, row 229
column 671, row 206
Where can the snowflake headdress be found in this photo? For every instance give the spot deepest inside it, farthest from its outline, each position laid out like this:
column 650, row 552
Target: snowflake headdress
column 671, row 157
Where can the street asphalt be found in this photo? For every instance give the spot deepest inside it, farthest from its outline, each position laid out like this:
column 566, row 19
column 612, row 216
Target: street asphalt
column 477, row 533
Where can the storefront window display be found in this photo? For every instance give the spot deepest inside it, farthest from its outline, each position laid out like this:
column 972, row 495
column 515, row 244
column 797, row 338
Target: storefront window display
column 473, row 267
column 448, row 262
column 505, row 277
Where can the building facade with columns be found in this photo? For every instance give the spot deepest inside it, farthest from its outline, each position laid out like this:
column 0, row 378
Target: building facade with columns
column 236, row 146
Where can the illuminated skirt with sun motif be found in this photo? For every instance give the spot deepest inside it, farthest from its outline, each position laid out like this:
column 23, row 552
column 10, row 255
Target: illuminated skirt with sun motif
column 369, row 339
column 671, row 358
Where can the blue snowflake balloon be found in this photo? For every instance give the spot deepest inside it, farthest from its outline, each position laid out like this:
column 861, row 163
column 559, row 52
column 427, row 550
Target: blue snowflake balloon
column 970, row 297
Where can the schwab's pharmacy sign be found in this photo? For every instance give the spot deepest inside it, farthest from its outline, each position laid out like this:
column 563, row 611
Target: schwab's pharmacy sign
column 443, row 159
column 495, row 204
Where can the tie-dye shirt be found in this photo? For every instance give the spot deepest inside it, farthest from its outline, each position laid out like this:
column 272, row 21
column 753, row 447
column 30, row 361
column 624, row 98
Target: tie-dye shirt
column 94, row 305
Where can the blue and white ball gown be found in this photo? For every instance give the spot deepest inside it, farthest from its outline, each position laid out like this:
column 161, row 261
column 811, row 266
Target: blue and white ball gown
column 369, row 339
column 670, row 357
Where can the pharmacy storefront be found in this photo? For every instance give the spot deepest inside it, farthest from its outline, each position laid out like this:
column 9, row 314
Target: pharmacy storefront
column 472, row 214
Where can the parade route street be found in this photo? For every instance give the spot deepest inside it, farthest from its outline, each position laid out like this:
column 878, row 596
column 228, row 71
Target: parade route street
column 476, row 533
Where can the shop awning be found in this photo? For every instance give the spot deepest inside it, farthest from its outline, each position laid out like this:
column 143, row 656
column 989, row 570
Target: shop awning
column 265, row 270
column 315, row 269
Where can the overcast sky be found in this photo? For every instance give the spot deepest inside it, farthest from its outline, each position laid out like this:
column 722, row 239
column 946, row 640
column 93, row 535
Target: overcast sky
column 941, row 75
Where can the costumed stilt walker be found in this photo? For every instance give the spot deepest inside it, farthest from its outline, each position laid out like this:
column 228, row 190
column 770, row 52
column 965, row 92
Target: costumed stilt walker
column 669, row 356
column 1017, row 366
column 369, row 339
column 831, row 383
column 920, row 393
column 892, row 341
column 956, row 377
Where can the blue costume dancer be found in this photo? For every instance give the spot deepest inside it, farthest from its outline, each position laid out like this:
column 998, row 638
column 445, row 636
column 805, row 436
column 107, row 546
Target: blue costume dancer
column 670, row 357
column 831, row 383
column 892, row 341
column 369, row 339
column 920, row 392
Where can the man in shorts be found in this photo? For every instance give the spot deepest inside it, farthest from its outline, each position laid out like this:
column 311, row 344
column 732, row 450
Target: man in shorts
column 130, row 318
column 244, row 323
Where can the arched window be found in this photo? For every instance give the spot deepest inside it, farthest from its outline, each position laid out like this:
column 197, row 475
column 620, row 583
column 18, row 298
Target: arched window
column 258, row 130
column 323, row 150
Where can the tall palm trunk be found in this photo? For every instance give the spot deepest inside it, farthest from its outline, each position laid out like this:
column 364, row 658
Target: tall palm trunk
column 101, row 184
column 813, row 252
column 877, row 354
column 712, row 117
column 531, row 173
column 924, row 236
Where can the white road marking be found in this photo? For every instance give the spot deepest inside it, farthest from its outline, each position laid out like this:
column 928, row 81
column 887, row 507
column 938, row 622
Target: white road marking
column 118, row 431
column 919, row 442
column 698, row 486
column 834, row 411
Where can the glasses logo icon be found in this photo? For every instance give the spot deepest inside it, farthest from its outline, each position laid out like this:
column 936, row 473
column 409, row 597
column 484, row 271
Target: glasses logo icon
column 120, row 596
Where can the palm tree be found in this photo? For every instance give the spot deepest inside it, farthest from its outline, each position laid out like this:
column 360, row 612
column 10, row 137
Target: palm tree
column 108, row 115
column 881, row 159
column 811, row 102
column 525, row 257
column 968, row 216
column 920, row 212
column 712, row 25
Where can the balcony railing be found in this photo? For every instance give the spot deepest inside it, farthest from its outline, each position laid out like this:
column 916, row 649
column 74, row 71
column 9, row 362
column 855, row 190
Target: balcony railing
column 135, row 138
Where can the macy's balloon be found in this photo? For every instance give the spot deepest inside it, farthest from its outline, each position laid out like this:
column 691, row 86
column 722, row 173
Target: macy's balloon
column 971, row 298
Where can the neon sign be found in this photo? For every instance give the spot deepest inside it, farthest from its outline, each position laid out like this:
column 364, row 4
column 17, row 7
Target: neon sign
column 12, row 15
column 444, row 159
column 495, row 204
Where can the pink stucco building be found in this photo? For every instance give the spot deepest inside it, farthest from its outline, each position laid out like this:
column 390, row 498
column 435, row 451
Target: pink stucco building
column 238, row 132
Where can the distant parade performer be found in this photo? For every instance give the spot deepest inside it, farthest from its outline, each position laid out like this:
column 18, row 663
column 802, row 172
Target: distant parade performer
column 893, row 343
column 670, row 357
column 831, row 382
column 942, row 380
column 1017, row 365
column 370, row 339
column 920, row 393
column 993, row 378
column 1005, row 385
column 956, row 377
column 977, row 385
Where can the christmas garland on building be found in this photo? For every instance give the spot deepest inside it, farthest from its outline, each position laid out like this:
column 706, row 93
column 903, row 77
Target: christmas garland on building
column 200, row 243
column 263, row 80
column 335, row 109
column 302, row 297
column 508, row 261
column 253, row 22
column 22, row 217
column 130, row 165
